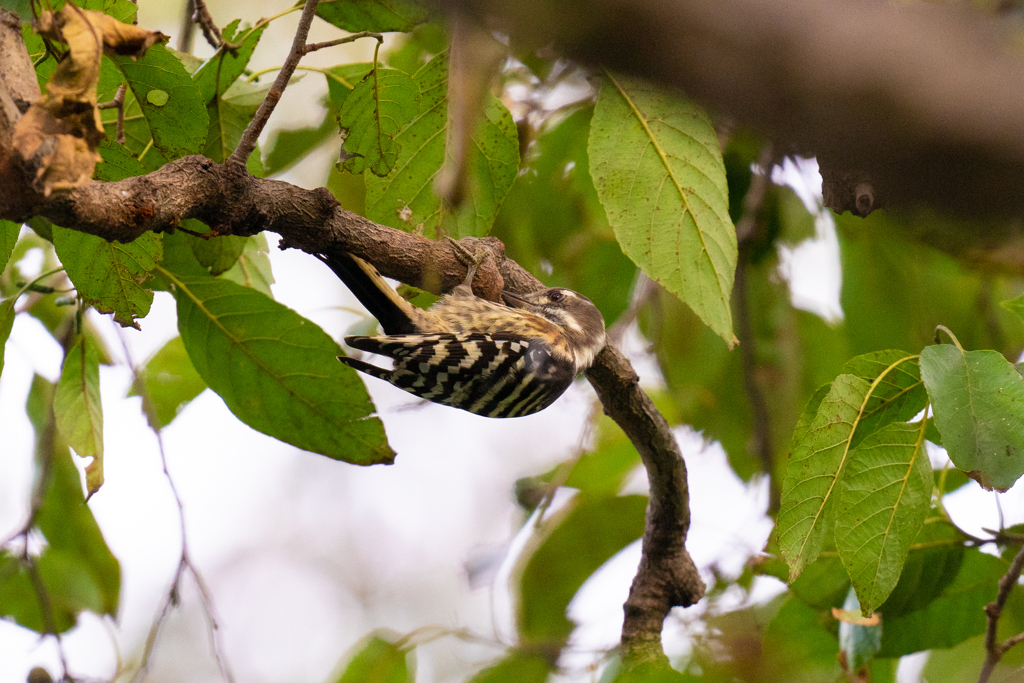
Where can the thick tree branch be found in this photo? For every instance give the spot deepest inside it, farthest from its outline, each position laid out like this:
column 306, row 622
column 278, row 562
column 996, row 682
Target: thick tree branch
column 920, row 100
column 667, row 576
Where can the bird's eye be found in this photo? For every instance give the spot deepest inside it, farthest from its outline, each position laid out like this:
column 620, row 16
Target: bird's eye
column 556, row 295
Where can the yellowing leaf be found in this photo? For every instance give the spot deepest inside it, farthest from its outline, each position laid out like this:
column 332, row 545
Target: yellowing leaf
column 67, row 113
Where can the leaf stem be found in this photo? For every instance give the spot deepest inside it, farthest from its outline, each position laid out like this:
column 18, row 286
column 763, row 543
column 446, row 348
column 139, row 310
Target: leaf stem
column 29, row 285
column 952, row 336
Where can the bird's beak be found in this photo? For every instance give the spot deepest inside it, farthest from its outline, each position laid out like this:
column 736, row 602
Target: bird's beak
column 514, row 300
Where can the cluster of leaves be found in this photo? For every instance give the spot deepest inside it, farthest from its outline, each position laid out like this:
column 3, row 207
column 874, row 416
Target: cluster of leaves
column 627, row 178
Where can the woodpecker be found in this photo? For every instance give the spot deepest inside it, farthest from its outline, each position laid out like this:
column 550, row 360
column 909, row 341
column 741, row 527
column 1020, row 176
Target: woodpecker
column 491, row 359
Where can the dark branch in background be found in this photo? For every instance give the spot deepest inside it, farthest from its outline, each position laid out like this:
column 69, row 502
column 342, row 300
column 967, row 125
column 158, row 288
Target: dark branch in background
column 747, row 235
column 921, row 101
column 993, row 610
column 232, row 202
column 187, row 31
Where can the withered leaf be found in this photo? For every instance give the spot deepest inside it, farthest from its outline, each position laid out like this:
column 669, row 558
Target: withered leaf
column 67, row 113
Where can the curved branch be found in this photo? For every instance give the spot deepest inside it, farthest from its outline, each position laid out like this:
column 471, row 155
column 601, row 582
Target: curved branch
column 667, row 576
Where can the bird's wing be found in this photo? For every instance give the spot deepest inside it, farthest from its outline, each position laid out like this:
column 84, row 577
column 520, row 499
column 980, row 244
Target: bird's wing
column 496, row 376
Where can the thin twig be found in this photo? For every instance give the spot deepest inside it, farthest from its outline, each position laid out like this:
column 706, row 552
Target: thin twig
column 993, row 610
column 313, row 47
column 185, row 562
column 201, row 16
column 118, row 103
column 252, row 133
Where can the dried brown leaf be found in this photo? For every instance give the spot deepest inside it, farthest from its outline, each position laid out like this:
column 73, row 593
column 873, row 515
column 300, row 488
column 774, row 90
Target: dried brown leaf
column 67, row 114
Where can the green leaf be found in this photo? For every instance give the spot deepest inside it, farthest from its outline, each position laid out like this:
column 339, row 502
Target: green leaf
column 897, row 289
column 377, row 659
column 376, row 110
column 796, row 222
column 810, row 411
column 978, row 399
column 342, row 80
column 18, row 599
column 76, row 566
column 590, row 533
column 216, row 74
column 276, row 370
column 23, row 8
column 77, row 408
column 658, row 170
column 898, row 396
column 118, row 163
column 9, row 232
column 6, row 325
column 651, row 672
column 809, row 490
column 1016, row 305
column 110, row 275
column 419, row 46
column 798, row 646
column 138, row 137
column 932, row 563
column 252, row 269
column 122, row 10
column 405, row 199
column 287, row 147
column 954, row 616
column 170, row 382
column 602, row 471
column 218, row 254
column 229, row 115
column 179, row 126
column 553, row 224
column 883, row 500
column 823, row 583
column 378, row 16
column 517, row 667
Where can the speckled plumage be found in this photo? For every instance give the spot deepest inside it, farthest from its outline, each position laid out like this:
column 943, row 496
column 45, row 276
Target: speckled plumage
column 487, row 358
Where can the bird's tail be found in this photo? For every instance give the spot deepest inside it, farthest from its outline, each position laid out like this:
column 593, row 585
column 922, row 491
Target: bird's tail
column 394, row 313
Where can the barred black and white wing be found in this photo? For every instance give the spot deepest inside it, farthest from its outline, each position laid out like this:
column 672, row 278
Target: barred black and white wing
column 490, row 375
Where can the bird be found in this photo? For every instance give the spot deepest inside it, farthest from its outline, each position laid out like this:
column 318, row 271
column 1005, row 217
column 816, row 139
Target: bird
column 493, row 359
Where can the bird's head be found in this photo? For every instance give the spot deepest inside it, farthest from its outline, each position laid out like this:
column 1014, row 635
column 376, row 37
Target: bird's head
column 574, row 314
